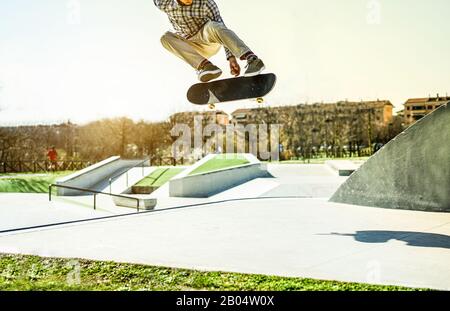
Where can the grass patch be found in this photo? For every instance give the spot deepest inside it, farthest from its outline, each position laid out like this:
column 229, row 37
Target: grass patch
column 220, row 162
column 20, row 272
column 34, row 183
column 159, row 177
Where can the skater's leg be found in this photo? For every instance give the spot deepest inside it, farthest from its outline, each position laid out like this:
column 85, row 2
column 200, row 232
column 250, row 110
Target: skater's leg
column 183, row 49
column 215, row 32
column 195, row 54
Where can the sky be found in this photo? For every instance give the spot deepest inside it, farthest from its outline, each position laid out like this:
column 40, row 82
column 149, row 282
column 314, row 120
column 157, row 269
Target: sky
column 82, row 60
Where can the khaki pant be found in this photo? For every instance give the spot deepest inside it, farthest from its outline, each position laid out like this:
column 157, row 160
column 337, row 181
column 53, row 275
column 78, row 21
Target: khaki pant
column 206, row 43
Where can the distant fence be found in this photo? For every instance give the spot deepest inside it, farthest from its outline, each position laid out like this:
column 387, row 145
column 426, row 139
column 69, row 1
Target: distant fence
column 41, row 166
column 45, row 165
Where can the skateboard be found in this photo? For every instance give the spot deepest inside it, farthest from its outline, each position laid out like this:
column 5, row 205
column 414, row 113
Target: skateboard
column 233, row 89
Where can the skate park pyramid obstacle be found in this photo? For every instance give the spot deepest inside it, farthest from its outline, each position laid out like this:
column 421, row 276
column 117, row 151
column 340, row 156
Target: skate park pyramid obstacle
column 411, row 172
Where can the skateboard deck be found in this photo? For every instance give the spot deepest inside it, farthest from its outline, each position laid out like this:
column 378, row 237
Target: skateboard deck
column 220, row 91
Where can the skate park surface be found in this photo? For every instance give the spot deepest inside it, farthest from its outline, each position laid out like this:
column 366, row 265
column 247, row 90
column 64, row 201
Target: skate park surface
column 283, row 225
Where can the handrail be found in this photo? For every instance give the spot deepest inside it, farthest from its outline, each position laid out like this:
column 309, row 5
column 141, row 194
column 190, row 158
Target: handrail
column 95, row 192
column 126, row 172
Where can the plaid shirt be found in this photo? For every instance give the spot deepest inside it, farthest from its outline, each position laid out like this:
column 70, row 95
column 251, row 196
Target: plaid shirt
column 188, row 20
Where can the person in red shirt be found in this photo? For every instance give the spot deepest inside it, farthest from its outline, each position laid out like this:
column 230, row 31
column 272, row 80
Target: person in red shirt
column 53, row 158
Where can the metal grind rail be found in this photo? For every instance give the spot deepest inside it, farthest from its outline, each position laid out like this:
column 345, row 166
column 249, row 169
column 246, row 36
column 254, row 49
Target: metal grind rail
column 94, row 192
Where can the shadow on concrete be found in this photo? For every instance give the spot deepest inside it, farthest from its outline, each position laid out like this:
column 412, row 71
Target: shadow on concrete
column 418, row 239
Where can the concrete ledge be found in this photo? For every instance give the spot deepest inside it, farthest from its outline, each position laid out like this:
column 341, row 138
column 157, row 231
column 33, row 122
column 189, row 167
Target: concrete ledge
column 145, row 203
column 132, row 180
column 208, row 184
column 343, row 168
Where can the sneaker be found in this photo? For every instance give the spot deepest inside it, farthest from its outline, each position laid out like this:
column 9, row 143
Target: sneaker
column 254, row 67
column 209, row 72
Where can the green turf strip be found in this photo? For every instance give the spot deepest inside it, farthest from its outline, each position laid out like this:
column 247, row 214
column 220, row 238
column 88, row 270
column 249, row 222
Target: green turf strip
column 159, row 177
column 220, row 162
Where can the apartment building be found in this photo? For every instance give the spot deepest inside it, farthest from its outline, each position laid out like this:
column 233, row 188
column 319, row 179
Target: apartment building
column 417, row 108
column 381, row 111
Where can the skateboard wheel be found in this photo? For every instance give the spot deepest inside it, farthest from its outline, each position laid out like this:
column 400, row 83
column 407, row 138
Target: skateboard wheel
column 260, row 100
column 212, row 106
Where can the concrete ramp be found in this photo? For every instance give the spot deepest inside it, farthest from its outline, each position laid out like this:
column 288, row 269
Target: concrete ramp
column 208, row 184
column 411, row 172
column 95, row 177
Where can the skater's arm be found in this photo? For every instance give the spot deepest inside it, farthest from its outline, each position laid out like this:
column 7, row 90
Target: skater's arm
column 228, row 54
column 165, row 5
column 235, row 69
column 214, row 12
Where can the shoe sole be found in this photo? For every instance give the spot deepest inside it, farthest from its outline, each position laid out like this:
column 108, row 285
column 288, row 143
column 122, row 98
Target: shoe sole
column 253, row 74
column 210, row 75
